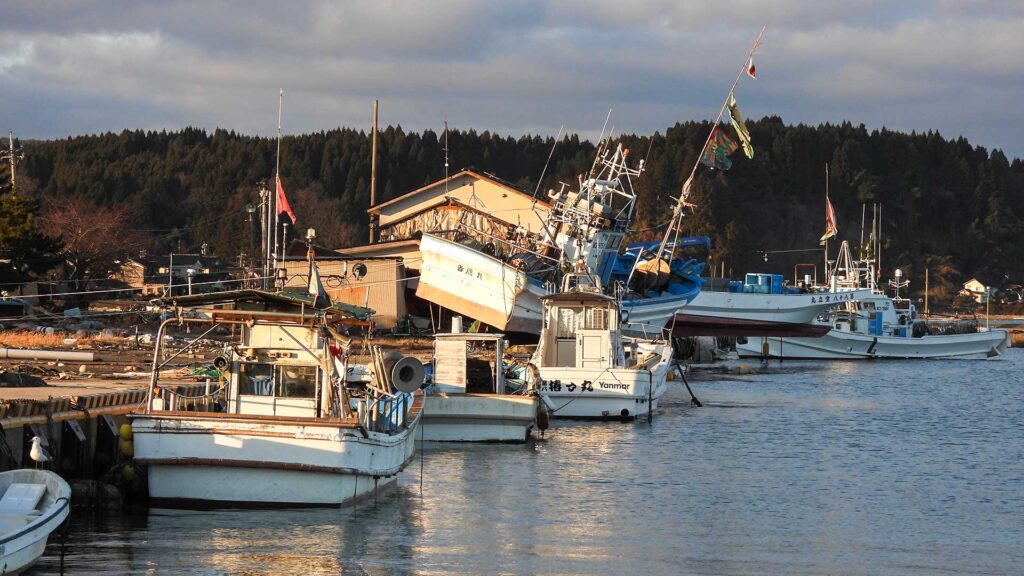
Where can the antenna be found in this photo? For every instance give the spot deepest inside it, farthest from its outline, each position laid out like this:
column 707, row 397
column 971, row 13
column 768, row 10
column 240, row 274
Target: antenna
column 445, row 156
column 550, row 155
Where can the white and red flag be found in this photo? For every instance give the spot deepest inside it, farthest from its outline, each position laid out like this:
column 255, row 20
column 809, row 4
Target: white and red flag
column 750, row 68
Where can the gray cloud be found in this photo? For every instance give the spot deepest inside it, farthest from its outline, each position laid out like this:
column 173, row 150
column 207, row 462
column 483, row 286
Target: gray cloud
column 513, row 67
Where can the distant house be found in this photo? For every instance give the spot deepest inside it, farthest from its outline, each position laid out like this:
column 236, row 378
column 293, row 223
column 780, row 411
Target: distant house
column 976, row 290
column 482, row 201
column 152, row 276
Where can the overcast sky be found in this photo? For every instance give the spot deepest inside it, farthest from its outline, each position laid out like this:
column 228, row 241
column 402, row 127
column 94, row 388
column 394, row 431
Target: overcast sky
column 77, row 67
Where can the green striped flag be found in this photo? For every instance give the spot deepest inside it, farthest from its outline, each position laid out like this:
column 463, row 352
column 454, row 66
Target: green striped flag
column 740, row 127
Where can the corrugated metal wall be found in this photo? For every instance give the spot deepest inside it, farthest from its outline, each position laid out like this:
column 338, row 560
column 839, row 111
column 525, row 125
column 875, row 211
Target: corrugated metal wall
column 377, row 283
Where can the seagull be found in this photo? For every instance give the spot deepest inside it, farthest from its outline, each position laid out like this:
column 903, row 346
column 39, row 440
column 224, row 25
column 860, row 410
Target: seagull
column 38, row 452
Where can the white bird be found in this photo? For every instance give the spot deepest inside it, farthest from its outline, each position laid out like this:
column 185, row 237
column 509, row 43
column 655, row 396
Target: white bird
column 38, row 451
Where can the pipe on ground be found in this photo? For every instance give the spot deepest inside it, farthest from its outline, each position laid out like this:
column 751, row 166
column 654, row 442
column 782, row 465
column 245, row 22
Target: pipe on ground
column 18, row 354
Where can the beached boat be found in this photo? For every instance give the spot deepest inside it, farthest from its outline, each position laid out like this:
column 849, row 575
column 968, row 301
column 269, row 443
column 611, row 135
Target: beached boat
column 754, row 307
column 501, row 283
column 469, row 399
column 33, row 505
column 585, row 367
column 284, row 426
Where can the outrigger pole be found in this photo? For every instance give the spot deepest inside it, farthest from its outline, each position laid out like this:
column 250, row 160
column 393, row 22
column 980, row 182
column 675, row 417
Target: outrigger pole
column 685, row 193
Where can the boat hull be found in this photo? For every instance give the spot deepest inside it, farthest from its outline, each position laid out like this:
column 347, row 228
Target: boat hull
column 753, row 314
column 648, row 317
column 227, row 460
column 615, row 393
column 849, row 345
column 21, row 545
column 478, row 417
column 477, row 285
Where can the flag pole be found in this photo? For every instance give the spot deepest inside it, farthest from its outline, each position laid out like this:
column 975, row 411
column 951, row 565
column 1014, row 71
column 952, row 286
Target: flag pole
column 685, row 193
column 828, row 280
column 277, row 176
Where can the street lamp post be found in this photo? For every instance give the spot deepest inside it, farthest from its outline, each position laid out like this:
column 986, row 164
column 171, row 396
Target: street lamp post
column 191, row 272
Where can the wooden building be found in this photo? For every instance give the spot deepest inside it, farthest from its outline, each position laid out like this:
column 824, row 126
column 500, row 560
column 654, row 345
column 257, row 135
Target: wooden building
column 481, row 201
column 377, row 283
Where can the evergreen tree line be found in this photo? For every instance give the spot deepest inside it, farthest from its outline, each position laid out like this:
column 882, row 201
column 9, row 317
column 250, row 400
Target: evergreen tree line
column 946, row 205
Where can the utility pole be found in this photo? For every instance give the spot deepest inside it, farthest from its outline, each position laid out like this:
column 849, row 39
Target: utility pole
column 11, row 155
column 373, row 171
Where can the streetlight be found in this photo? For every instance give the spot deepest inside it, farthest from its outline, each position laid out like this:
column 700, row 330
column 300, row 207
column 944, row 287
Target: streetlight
column 191, row 272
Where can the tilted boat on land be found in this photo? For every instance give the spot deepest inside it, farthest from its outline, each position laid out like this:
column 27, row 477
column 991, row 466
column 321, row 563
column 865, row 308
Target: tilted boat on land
column 501, row 283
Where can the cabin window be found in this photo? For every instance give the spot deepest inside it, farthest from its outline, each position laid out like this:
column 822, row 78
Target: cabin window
column 256, row 379
column 297, row 381
column 566, row 323
column 596, row 319
column 281, row 381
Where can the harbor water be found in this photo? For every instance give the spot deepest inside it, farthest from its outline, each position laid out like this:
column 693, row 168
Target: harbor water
column 895, row 467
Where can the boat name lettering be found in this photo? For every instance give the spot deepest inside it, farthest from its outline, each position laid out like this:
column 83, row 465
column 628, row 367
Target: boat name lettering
column 469, row 272
column 556, row 386
column 831, row 298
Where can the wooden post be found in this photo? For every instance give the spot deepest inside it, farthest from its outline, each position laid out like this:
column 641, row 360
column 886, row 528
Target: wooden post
column 926, row 291
column 373, row 170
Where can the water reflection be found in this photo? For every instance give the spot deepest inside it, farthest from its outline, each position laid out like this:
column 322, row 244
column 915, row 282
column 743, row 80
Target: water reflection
column 895, row 467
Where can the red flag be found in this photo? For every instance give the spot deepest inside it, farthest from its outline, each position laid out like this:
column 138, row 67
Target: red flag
column 283, row 207
column 750, row 68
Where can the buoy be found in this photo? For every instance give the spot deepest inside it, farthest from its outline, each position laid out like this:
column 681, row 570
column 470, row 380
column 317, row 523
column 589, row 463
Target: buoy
column 543, row 419
column 125, row 431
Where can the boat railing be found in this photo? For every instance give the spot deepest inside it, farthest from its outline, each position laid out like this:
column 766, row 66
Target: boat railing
column 192, row 397
column 385, row 413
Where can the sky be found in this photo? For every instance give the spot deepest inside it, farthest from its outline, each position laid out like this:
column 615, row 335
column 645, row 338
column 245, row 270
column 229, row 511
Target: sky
column 511, row 67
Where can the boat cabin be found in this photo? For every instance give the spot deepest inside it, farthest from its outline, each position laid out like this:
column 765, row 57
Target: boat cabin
column 469, row 363
column 878, row 315
column 581, row 327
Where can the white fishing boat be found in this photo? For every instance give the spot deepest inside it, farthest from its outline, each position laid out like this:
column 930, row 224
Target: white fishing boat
column 33, row 504
column 585, row 367
column 469, row 399
column 501, row 283
column 753, row 308
column 470, row 282
column 878, row 326
column 283, row 427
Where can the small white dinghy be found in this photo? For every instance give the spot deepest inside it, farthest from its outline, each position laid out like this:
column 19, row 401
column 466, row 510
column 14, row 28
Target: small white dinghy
column 34, row 504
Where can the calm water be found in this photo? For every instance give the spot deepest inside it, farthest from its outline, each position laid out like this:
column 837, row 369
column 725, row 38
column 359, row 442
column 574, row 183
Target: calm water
column 805, row 468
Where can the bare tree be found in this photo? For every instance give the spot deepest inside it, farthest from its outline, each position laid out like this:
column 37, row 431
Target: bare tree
column 92, row 237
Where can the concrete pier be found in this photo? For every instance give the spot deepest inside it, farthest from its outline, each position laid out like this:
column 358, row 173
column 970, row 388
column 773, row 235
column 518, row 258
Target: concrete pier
column 79, row 422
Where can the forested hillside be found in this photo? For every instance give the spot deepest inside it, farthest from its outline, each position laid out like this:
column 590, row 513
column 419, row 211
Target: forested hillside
column 947, row 205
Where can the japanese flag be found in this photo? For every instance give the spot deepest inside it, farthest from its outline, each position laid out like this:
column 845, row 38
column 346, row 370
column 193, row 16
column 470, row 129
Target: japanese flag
column 750, row 68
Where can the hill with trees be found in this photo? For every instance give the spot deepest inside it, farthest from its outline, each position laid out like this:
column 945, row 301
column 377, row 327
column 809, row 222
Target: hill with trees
column 955, row 208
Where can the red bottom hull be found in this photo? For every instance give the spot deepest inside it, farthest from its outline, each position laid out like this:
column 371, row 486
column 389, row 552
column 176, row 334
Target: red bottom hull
column 690, row 325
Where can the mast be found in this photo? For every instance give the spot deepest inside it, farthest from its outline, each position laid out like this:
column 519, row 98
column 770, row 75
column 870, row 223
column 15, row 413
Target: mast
column 827, row 272
column 277, row 178
column 446, row 157
column 685, row 192
column 373, row 169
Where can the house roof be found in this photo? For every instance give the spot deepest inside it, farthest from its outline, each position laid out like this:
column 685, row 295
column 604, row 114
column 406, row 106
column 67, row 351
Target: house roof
column 467, row 172
column 285, row 297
